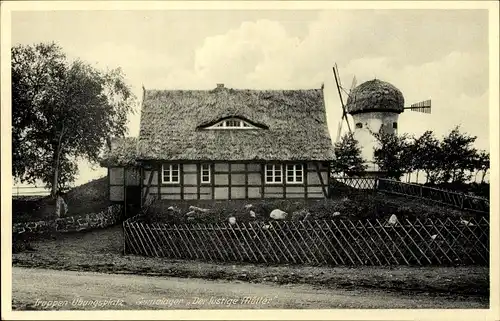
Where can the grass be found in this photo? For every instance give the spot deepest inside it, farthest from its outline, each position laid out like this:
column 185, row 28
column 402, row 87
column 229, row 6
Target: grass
column 81, row 200
column 101, row 251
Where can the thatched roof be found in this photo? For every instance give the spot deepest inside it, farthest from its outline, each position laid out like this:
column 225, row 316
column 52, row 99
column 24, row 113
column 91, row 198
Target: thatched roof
column 293, row 125
column 375, row 95
column 123, row 152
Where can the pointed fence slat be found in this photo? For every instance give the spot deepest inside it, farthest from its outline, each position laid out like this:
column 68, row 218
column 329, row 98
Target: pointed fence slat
column 296, row 241
column 187, row 245
column 151, row 229
column 317, row 242
column 366, row 242
column 313, row 242
column 331, row 246
column 286, row 258
column 340, row 243
column 381, row 241
column 198, row 234
column 394, row 245
column 348, row 243
column 275, row 256
column 141, row 238
column 455, row 240
column 429, row 243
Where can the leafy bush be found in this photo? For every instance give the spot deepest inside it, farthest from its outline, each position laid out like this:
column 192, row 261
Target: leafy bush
column 358, row 206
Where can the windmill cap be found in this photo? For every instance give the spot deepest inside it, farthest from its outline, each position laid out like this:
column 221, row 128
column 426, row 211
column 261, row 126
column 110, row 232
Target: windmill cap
column 375, row 95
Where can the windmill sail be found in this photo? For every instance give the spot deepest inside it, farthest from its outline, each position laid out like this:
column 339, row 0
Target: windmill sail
column 353, row 84
column 339, row 86
column 339, row 130
column 421, row 107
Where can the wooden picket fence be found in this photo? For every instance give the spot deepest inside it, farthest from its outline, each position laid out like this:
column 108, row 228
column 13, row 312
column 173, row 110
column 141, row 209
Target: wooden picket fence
column 445, row 197
column 320, row 242
column 359, row 183
column 436, row 195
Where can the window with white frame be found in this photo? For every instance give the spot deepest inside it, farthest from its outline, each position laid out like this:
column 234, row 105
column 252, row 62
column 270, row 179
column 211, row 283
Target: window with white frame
column 170, row 174
column 205, row 173
column 232, row 123
column 273, row 174
column 294, row 174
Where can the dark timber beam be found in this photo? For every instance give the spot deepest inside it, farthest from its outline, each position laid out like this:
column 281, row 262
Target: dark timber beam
column 329, row 178
column 212, row 179
column 141, row 182
column 284, row 177
column 159, row 168
column 146, row 192
column 246, row 181
column 198, row 180
column 125, row 191
column 262, row 179
column 229, row 181
column 304, row 171
column 181, row 179
column 321, row 179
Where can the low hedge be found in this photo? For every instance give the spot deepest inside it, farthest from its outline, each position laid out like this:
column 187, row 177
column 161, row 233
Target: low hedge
column 357, row 206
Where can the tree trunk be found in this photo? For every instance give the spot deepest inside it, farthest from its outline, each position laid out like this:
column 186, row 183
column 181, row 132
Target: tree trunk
column 482, row 176
column 57, row 154
column 55, row 176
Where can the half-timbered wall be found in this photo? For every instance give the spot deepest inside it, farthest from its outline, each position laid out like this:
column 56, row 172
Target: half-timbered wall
column 234, row 181
column 119, row 178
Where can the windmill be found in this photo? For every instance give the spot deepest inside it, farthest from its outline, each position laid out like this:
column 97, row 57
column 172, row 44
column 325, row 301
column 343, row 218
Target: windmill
column 424, row 106
column 373, row 105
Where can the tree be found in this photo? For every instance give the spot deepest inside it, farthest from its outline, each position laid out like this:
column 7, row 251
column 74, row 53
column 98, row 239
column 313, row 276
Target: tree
column 62, row 111
column 427, row 156
column 409, row 156
column 392, row 153
column 482, row 164
column 458, row 156
column 348, row 158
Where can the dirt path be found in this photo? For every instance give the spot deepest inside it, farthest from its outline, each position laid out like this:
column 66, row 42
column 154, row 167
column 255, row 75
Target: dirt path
column 70, row 290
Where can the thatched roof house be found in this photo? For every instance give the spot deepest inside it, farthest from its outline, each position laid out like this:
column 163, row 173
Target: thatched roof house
column 233, row 143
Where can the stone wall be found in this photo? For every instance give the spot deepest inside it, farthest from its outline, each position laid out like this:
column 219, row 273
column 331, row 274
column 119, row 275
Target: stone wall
column 105, row 218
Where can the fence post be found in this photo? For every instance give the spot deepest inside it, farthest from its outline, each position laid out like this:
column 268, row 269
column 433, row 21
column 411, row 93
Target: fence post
column 421, row 191
column 462, row 201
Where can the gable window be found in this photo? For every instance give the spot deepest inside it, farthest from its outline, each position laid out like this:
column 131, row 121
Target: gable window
column 359, row 125
column 273, row 174
column 232, row 123
column 294, row 173
column 205, row 173
column 170, row 174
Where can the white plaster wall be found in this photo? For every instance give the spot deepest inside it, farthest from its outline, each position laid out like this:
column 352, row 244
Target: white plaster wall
column 372, row 122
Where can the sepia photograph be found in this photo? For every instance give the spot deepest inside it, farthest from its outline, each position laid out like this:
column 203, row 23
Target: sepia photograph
column 216, row 157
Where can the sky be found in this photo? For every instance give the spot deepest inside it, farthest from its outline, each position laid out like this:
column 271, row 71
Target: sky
column 428, row 54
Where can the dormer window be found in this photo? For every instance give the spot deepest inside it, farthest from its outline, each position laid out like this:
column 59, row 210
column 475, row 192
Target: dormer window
column 232, row 123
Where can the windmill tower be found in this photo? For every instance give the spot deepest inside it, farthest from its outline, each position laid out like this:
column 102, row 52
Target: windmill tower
column 374, row 105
